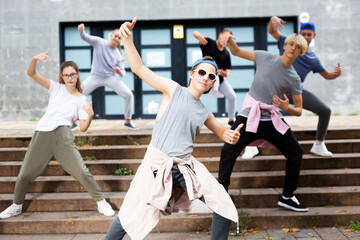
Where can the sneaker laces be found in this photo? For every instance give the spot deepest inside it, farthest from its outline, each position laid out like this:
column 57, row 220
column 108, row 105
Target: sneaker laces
column 294, row 199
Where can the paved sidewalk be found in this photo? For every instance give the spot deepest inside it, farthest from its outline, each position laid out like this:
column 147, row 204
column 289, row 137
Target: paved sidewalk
column 336, row 233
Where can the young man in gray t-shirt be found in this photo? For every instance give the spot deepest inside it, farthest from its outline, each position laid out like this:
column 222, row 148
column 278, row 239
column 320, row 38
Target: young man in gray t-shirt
column 274, row 77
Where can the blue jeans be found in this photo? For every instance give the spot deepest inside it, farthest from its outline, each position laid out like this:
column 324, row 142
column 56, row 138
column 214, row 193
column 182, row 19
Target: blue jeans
column 220, row 226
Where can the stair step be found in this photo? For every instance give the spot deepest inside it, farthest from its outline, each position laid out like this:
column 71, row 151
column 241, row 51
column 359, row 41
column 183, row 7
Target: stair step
column 258, row 163
column 200, row 150
column 265, row 179
column 93, row 222
column 99, row 167
column 251, row 198
column 144, row 137
column 314, row 178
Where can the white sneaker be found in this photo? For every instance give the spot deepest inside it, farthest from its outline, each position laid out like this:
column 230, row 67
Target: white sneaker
column 250, row 152
column 11, row 211
column 105, row 208
column 320, row 150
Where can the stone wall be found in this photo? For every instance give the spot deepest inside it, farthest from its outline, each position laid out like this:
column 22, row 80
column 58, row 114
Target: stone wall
column 28, row 27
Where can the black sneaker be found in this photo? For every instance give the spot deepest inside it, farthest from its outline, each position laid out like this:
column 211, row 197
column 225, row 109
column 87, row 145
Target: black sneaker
column 292, row 204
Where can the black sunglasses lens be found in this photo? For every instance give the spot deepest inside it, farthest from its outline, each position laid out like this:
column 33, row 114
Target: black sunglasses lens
column 202, row 72
column 212, row 77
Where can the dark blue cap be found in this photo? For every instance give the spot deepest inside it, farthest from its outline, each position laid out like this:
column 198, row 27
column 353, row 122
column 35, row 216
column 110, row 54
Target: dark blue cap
column 202, row 60
column 307, row 25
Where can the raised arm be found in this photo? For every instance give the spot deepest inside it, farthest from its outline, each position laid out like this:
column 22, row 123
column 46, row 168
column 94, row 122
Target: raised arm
column 236, row 51
column 200, row 37
column 227, row 135
column 86, row 37
column 274, row 26
column 332, row 75
column 31, row 72
column 284, row 104
column 162, row 84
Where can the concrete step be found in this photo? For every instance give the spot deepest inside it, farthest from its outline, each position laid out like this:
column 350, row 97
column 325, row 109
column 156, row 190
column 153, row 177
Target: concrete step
column 250, row 198
column 258, row 163
column 144, row 137
column 313, row 178
column 258, row 179
column 99, row 167
column 200, row 150
column 93, row 222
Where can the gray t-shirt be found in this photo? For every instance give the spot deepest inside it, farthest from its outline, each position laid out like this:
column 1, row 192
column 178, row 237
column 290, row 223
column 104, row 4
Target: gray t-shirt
column 271, row 78
column 104, row 57
column 175, row 132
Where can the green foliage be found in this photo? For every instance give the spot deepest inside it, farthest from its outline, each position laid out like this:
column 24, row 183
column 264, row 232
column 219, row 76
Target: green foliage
column 123, row 171
column 355, row 225
column 32, row 120
column 293, row 225
column 244, row 217
column 80, row 143
column 136, row 143
column 90, row 158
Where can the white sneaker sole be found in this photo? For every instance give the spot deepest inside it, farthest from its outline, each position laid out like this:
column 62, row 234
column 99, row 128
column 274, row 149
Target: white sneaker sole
column 292, row 208
column 6, row 217
column 135, row 128
column 322, row 155
column 107, row 215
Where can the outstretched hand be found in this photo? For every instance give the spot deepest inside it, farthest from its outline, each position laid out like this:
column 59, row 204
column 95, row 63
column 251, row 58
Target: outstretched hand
column 232, row 136
column 81, row 27
column 276, row 23
column 279, row 103
column 224, row 38
column 202, row 40
column 126, row 27
column 42, row 56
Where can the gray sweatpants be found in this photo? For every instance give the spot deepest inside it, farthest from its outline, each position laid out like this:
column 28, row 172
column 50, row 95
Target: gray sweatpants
column 60, row 144
column 94, row 81
column 229, row 93
column 315, row 105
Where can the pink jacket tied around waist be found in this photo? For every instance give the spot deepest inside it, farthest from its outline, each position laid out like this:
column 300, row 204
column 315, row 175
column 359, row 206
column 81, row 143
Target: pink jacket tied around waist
column 254, row 119
column 255, row 114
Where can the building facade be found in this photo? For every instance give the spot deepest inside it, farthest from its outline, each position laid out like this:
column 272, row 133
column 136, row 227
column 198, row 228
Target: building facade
column 163, row 38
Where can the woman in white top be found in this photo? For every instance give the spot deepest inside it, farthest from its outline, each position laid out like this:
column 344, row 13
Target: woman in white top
column 53, row 136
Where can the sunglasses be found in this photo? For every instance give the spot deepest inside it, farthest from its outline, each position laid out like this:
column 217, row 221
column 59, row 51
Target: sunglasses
column 202, row 72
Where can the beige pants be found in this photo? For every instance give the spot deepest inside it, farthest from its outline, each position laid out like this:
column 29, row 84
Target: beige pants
column 60, row 144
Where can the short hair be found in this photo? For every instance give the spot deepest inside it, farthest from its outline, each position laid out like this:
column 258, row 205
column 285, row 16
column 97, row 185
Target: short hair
column 300, row 40
column 226, row 30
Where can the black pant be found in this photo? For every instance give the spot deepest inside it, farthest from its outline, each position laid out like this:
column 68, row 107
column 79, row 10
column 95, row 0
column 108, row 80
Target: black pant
column 314, row 104
column 287, row 144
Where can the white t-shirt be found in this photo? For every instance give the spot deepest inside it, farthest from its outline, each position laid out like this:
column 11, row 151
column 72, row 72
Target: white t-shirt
column 63, row 108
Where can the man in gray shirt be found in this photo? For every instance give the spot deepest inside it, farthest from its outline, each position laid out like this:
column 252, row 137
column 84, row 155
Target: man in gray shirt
column 274, row 77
